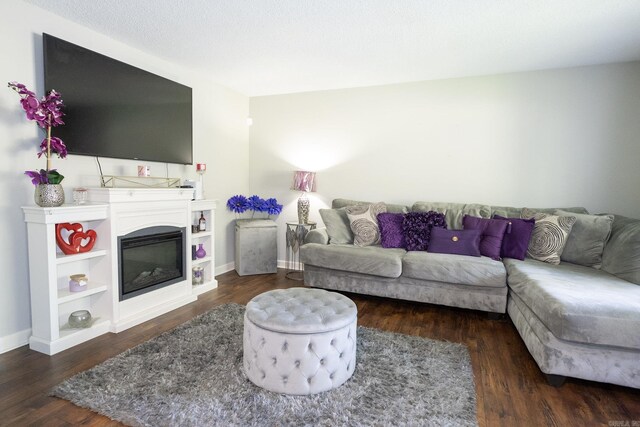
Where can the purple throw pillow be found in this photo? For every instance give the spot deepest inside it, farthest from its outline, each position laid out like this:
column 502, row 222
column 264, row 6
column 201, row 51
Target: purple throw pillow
column 457, row 242
column 390, row 225
column 516, row 239
column 417, row 228
column 492, row 234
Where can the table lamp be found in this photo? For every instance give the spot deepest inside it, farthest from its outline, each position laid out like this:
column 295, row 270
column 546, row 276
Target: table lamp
column 305, row 182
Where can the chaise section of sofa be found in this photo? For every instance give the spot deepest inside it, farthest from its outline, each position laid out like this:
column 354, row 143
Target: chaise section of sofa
column 580, row 321
column 577, row 321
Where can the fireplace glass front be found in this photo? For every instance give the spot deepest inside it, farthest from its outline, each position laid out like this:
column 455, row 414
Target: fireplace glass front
column 150, row 259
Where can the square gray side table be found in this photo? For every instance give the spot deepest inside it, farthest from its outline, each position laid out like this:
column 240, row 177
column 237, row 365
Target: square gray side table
column 256, row 246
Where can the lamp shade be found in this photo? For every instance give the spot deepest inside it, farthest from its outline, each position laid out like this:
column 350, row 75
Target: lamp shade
column 304, row 181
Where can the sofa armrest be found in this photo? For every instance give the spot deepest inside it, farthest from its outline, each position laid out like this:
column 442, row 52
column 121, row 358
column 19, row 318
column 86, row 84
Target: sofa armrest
column 319, row 235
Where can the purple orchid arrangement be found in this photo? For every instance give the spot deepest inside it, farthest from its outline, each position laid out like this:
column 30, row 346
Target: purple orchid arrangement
column 241, row 204
column 47, row 112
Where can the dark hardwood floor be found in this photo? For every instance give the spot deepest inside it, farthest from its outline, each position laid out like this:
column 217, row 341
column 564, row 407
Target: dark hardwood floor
column 511, row 389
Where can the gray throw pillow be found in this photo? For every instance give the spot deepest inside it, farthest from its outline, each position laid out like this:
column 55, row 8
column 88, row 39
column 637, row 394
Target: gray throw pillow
column 622, row 253
column 338, row 227
column 364, row 223
column 587, row 239
column 549, row 235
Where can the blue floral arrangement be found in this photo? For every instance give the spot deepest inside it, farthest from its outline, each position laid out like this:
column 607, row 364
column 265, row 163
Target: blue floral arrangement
column 241, row 204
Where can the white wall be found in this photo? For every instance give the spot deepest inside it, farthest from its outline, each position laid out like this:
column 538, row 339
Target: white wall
column 220, row 140
column 546, row 138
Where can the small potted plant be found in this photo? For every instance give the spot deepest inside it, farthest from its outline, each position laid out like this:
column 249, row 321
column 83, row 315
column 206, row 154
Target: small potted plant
column 47, row 113
column 256, row 249
column 241, row 204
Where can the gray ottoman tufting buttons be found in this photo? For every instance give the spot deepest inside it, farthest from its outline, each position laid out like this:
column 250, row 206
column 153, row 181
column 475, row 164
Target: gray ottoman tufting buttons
column 299, row 340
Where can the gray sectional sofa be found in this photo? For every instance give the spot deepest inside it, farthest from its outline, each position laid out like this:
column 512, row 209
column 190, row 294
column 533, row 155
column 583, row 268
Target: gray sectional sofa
column 576, row 321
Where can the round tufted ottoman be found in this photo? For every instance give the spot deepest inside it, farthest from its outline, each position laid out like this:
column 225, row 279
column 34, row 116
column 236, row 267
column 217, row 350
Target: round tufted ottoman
column 299, row 340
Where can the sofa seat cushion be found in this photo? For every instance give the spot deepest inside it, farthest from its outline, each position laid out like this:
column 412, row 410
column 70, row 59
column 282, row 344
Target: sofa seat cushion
column 578, row 303
column 458, row 269
column 374, row 260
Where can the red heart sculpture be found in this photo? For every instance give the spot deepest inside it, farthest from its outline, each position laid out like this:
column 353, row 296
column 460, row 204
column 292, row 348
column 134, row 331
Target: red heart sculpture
column 79, row 236
column 74, row 243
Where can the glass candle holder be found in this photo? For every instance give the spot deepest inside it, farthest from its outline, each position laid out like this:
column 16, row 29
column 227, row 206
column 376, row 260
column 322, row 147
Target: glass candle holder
column 197, row 277
column 80, row 195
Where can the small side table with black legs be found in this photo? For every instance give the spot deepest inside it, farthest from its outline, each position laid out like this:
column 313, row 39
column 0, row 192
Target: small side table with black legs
column 296, row 233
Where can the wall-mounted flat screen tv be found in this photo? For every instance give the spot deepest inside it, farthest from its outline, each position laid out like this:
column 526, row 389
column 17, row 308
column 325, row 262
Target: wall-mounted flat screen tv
column 113, row 109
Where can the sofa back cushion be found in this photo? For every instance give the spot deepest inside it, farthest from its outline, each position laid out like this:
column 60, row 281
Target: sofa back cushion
column 343, row 203
column 453, row 212
column 513, row 212
column 338, row 228
column 587, row 239
column 621, row 255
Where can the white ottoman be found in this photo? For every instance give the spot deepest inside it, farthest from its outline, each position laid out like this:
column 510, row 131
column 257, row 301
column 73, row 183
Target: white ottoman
column 299, row 340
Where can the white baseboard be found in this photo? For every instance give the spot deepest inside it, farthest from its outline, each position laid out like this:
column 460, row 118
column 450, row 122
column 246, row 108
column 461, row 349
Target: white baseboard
column 221, row 269
column 13, row 341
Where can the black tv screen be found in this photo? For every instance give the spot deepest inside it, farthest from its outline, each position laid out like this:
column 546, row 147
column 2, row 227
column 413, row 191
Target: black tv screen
column 113, row 109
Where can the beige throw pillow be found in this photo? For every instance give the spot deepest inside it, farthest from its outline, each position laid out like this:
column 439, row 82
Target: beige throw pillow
column 549, row 235
column 363, row 220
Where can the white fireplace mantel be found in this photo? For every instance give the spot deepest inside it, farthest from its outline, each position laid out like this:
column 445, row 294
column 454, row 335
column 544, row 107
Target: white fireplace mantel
column 112, row 213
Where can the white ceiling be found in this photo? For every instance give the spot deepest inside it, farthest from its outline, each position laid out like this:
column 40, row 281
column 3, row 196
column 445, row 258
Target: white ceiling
column 264, row 47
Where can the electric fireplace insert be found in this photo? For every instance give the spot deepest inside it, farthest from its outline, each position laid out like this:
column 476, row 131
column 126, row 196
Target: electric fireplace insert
column 150, row 259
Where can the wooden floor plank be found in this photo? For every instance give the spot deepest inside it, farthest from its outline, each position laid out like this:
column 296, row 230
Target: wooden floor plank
column 511, row 390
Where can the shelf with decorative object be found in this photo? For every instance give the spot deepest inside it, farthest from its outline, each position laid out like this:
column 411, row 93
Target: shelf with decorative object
column 72, row 337
column 201, row 235
column 206, row 264
column 49, row 269
column 113, row 181
column 65, row 295
column 64, row 259
column 204, row 260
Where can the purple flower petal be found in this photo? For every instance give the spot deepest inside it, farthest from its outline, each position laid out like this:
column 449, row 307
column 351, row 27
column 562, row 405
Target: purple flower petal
column 238, row 204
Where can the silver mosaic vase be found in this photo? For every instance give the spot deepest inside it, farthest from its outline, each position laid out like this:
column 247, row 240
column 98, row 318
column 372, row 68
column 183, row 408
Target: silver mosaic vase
column 303, row 209
column 49, row 195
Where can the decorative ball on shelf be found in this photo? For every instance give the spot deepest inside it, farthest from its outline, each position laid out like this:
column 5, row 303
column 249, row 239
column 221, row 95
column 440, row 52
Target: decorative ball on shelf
column 80, row 319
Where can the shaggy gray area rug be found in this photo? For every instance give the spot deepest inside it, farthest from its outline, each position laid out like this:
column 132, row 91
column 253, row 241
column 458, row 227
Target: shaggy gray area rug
column 193, row 376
